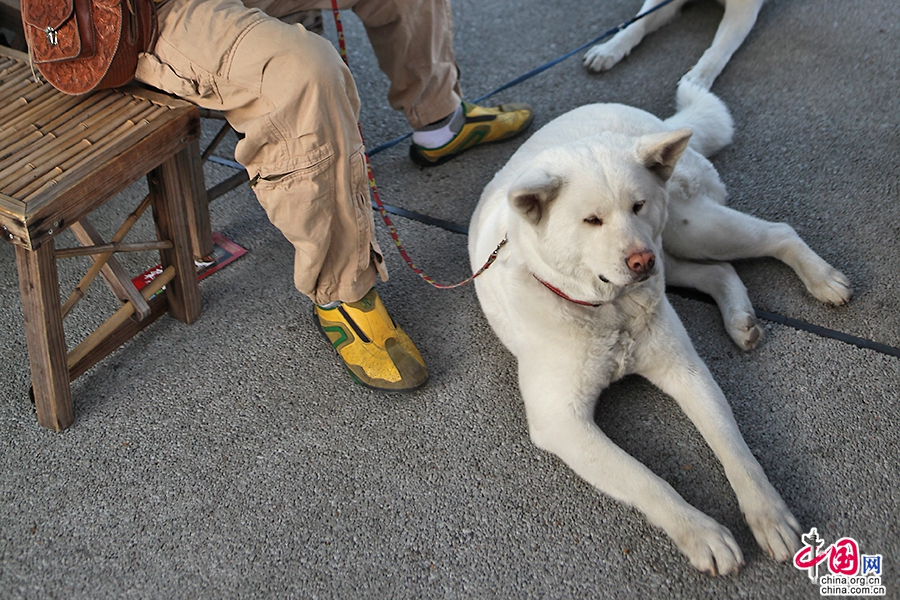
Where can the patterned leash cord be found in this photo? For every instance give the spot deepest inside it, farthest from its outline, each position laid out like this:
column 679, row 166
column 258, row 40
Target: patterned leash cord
column 381, row 209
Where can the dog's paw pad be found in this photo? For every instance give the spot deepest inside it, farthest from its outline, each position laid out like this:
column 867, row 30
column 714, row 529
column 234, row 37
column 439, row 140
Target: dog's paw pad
column 709, row 546
column 602, row 57
column 744, row 329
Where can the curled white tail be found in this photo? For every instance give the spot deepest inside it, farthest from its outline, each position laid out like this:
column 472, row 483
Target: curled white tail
column 706, row 115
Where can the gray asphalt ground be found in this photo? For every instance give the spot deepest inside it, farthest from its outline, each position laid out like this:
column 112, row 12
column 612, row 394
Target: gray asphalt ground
column 233, row 458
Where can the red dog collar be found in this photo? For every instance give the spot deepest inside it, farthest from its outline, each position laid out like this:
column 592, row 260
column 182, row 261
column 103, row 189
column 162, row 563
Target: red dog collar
column 562, row 295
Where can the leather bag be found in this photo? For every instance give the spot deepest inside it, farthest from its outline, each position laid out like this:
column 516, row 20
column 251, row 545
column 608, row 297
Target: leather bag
column 85, row 45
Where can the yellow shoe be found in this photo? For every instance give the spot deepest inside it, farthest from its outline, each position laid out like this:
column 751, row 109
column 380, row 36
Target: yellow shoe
column 377, row 352
column 482, row 125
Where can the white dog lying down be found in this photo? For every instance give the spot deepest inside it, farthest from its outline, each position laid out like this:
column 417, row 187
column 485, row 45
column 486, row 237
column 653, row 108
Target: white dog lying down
column 577, row 295
column 738, row 20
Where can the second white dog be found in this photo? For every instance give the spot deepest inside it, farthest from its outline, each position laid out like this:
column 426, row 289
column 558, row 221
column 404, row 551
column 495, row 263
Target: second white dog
column 738, row 20
column 577, row 295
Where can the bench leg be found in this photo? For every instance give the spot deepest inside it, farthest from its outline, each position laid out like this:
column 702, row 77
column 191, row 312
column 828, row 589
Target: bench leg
column 39, row 287
column 198, row 210
column 173, row 194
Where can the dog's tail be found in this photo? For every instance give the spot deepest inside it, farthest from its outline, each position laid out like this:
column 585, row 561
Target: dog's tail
column 706, row 115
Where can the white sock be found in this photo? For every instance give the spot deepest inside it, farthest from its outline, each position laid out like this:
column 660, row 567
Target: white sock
column 330, row 305
column 440, row 132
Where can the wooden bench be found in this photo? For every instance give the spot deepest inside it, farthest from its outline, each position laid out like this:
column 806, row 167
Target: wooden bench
column 61, row 158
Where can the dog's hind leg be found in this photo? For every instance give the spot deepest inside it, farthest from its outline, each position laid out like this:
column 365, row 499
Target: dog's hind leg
column 738, row 20
column 700, row 230
column 670, row 361
column 562, row 423
column 720, row 281
column 603, row 57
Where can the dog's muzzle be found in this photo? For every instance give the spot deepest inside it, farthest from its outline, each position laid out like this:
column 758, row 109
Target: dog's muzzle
column 642, row 264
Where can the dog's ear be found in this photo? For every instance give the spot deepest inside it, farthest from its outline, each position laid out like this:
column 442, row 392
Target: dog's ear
column 660, row 151
column 532, row 192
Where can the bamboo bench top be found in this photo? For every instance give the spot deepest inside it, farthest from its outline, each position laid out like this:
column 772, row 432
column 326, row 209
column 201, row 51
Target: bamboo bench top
column 62, row 156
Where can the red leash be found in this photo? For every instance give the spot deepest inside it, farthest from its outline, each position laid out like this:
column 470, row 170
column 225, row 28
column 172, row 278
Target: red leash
column 381, row 209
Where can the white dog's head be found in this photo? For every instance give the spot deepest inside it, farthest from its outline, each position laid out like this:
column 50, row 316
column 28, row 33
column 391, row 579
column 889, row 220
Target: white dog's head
column 593, row 211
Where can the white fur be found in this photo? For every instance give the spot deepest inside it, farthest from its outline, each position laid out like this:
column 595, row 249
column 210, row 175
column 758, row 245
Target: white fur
column 638, row 175
column 738, row 20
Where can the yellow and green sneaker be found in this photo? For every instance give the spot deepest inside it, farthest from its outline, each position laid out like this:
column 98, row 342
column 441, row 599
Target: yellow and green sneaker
column 482, row 125
column 376, row 351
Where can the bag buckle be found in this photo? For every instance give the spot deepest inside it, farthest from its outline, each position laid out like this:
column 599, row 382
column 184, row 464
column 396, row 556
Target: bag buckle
column 51, row 36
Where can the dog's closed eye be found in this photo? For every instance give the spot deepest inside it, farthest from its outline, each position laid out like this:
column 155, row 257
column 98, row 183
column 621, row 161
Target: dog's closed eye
column 638, row 206
column 594, row 220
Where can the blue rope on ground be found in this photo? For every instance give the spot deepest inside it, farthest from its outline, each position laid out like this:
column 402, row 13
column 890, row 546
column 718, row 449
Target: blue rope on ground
column 536, row 71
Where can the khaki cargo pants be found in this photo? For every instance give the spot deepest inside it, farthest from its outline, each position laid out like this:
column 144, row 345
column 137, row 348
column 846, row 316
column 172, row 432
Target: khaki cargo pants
column 295, row 103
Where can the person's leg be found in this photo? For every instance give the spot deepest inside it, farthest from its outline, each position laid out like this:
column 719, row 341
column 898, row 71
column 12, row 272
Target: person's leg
column 302, row 150
column 413, row 42
column 291, row 11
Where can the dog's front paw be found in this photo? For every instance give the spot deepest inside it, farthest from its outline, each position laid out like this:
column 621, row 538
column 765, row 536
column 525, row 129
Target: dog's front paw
column 776, row 530
column 603, row 57
column 744, row 329
column 708, row 545
column 830, row 287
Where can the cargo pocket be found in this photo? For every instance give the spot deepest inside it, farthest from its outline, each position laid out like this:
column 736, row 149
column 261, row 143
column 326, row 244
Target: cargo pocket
column 300, row 203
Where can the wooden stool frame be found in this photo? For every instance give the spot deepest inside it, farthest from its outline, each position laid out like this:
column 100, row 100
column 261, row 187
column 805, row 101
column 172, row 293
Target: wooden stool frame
column 63, row 177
